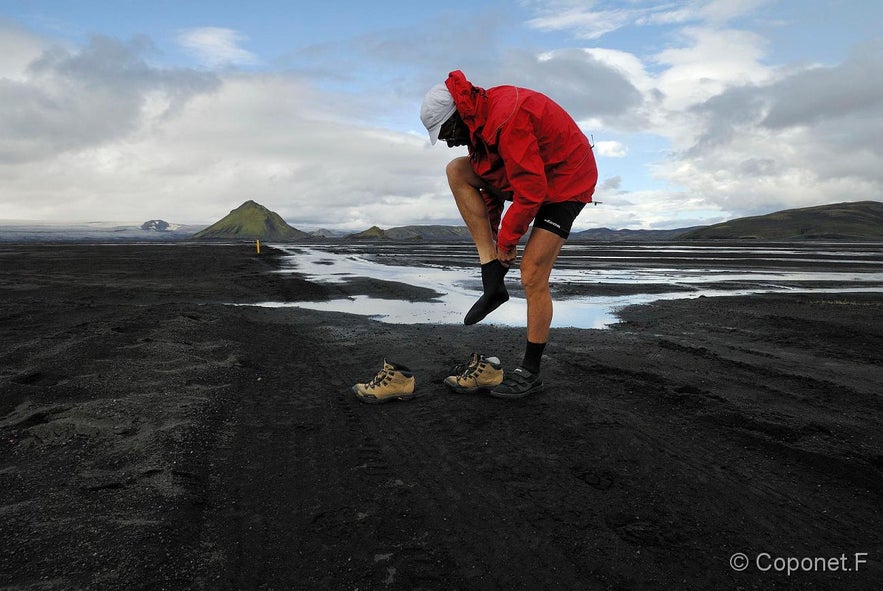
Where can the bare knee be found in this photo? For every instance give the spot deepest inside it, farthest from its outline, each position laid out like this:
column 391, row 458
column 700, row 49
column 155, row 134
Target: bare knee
column 459, row 171
column 534, row 279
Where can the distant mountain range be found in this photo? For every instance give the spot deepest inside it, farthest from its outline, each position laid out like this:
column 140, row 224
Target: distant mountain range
column 862, row 220
column 153, row 230
column 425, row 233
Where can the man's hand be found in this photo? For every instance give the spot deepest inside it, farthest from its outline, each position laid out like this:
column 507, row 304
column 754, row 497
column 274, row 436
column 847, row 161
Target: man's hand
column 507, row 257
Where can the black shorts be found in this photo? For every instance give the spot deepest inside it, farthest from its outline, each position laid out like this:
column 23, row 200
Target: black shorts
column 558, row 217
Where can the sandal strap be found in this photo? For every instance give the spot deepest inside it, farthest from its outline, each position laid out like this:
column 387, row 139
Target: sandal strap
column 520, row 378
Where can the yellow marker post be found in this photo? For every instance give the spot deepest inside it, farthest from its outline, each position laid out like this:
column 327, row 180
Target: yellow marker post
column 259, row 246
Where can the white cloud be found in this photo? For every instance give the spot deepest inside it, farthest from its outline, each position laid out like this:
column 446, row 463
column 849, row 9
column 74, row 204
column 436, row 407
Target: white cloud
column 307, row 162
column 723, row 11
column 217, row 47
column 18, row 48
column 76, row 99
column 801, row 138
column 645, row 210
column 627, row 63
column 611, row 149
column 583, row 84
column 710, row 61
column 589, row 24
column 98, row 133
column 594, row 19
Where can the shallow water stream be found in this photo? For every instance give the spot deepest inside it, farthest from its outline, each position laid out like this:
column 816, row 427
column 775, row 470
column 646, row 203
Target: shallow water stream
column 591, row 281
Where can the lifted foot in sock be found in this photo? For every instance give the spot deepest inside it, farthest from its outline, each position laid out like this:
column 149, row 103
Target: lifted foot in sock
column 495, row 293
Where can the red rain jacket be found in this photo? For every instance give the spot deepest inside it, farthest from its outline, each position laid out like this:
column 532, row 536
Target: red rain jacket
column 525, row 145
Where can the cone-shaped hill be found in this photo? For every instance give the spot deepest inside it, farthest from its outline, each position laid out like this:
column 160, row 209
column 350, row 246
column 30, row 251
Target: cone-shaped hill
column 251, row 221
column 372, row 233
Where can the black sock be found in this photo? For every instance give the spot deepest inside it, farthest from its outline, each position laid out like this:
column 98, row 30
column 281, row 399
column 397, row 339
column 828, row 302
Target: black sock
column 492, row 274
column 533, row 354
column 494, row 291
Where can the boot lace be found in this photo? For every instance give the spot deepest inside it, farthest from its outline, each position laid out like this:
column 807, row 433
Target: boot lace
column 474, row 364
column 382, row 377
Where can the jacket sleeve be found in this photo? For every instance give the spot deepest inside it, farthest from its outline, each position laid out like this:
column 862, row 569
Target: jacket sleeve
column 520, row 151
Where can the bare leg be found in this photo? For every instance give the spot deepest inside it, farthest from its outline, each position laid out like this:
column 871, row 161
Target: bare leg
column 539, row 256
column 536, row 266
column 465, row 187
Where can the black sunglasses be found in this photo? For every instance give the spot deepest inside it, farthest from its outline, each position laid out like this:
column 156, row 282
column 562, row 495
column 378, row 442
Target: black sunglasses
column 449, row 128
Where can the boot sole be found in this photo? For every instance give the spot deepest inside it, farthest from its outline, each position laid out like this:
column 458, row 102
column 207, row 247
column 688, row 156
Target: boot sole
column 513, row 395
column 476, row 390
column 369, row 399
column 462, row 390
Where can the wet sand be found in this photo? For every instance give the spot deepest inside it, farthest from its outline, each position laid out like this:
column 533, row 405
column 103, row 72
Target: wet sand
column 153, row 436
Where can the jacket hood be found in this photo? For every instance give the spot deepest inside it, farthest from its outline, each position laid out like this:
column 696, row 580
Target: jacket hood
column 470, row 100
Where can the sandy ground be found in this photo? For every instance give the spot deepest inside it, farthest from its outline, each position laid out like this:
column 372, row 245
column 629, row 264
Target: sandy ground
column 152, row 436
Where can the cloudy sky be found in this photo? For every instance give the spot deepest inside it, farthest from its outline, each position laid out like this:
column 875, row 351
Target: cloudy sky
column 700, row 111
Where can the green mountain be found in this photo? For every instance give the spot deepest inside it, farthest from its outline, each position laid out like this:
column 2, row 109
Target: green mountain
column 251, row 221
column 860, row 220
column 417, row 232
column 372, row 233
column 434, row 233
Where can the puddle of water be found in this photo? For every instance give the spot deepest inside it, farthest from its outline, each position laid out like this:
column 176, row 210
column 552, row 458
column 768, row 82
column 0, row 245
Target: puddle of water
column 575, row 314
column 458, row 289
column 458, row 284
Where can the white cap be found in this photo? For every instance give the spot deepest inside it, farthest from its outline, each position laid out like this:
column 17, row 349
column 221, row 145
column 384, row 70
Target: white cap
column 438, row 106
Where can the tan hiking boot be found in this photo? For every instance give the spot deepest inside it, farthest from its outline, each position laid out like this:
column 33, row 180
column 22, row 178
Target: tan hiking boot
column 481, row 373
column 393, row 382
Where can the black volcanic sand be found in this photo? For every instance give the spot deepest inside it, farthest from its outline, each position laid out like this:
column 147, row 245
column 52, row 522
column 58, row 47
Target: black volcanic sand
column 152, row 436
